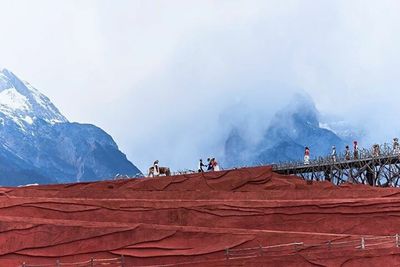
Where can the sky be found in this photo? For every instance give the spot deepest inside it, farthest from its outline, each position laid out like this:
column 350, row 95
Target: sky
column 167, row 79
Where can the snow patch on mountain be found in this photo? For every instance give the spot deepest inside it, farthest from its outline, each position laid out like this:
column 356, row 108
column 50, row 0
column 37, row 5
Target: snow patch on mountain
column 11, row 100
column 341, row 127
column 39, row 145
column 326, row 126
column 24, row 104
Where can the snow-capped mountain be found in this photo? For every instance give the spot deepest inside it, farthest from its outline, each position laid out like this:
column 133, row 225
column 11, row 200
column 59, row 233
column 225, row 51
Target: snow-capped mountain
column 290, row 130
column 39, row 145
column 22, row 103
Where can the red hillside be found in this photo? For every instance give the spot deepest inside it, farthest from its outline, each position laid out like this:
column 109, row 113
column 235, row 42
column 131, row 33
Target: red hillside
column 244, row 217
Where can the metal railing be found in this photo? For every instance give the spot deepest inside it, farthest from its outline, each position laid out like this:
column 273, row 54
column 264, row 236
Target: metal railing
column 112, row 262
column 385, row 151
column 357, row 243
column 360, row 243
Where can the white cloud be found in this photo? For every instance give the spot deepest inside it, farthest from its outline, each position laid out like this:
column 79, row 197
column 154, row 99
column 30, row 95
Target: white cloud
column 161, row 76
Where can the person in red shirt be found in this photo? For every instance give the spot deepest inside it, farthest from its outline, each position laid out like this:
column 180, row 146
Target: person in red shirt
column 215, row 165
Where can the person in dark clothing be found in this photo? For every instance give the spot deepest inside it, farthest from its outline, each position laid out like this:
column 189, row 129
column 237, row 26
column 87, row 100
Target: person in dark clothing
column 210, row 165
column 201, row 165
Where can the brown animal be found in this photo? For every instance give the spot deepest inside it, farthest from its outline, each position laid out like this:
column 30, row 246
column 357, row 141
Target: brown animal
column 163, row 171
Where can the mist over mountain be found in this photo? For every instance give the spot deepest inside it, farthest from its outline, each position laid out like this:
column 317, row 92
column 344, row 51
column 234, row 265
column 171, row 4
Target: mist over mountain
column 39, row 145
column 290, row 130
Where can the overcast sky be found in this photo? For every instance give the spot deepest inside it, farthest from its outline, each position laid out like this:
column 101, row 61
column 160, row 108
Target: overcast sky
column 165, row 78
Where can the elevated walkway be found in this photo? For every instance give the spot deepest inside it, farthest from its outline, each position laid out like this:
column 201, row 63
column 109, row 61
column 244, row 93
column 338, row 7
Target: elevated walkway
column 382, row 170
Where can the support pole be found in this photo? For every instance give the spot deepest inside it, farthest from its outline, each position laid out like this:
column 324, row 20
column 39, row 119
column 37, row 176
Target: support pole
column 370, row 177
column 297, row 246
column 91, row 262
column 227, row 253
column 397, row 241
column 362, row 243
column 122, row 261
column 327, row 175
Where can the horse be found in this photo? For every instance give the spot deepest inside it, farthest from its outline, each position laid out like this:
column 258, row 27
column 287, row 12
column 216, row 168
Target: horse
column 163, row 170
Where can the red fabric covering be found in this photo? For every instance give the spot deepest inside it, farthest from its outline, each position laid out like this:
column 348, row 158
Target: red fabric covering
column 193, row 219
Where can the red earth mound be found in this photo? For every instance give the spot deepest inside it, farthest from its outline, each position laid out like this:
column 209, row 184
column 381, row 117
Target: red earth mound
column 243, row 217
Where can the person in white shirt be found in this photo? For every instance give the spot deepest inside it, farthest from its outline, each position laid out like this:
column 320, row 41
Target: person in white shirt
column 333, row 154
column 306, row 156
column 156, row 170
column 215, row 165
column 396, row 146
column 355, row 150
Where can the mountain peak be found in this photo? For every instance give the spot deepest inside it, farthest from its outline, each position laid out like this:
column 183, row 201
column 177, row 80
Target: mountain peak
column 6, row 71
column 301, row 109
column 290, row 130
column 39, row 145
column 21, row 102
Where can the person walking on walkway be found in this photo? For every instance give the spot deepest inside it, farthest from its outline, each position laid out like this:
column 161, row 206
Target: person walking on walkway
column 355, row 150
column 396, row 146
column 306, row 156
column 376, row 151
column 333, row 154
column 347, row 153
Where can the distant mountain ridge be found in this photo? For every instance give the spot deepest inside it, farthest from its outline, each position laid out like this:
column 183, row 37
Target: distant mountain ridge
column 290, row 130
column 39, row 145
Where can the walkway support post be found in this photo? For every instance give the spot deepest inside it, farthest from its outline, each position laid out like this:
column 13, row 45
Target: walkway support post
column 327, row 175
column 122, row 261
column 227, row 253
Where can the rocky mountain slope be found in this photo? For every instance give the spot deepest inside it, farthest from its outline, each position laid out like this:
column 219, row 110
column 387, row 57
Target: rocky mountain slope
column 39, row 145
column 290, row 130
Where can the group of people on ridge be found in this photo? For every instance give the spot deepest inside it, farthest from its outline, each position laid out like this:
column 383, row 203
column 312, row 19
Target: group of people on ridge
column 155, row 170
column 347, row 153
column 212, row 165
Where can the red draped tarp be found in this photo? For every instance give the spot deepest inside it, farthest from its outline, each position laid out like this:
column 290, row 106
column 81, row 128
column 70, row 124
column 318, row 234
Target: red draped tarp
column 243, row 217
